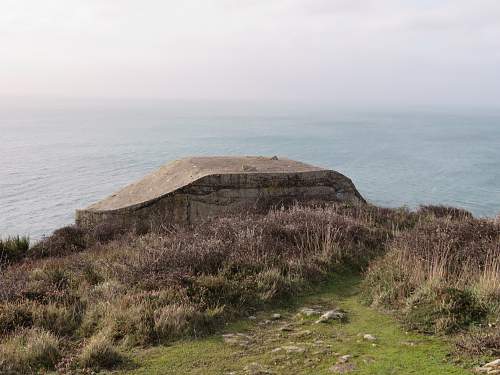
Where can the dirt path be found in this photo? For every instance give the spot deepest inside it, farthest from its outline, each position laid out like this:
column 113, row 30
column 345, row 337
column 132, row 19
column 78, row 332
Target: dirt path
column 356, row 339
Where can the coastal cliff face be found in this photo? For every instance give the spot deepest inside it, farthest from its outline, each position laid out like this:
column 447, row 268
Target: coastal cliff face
column 191, row 190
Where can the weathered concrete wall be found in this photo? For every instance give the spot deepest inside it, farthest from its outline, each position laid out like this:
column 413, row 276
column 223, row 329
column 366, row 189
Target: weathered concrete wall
column 216, row 194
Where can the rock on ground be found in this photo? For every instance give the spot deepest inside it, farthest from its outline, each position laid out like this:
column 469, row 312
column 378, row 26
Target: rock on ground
column 490, row 368
column 307, row 311
column 330, row 315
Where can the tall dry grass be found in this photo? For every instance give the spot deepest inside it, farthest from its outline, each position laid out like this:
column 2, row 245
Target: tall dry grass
column 443, row 275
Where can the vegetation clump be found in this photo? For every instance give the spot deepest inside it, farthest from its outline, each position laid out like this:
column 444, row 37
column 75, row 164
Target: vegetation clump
column 29, row 350
column 443, row 275
column 12, row 249
column 99, row 353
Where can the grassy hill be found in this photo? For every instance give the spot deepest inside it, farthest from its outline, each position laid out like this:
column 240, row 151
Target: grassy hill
column 105, row 299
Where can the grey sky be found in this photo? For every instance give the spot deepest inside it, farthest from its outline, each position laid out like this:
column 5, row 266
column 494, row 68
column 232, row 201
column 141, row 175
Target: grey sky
column 350, row 52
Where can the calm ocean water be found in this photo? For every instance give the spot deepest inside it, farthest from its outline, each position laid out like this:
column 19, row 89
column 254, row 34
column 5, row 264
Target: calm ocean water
column 59, row 157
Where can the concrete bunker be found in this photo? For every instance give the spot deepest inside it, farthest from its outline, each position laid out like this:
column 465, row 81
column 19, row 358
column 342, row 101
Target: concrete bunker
column 189, row 190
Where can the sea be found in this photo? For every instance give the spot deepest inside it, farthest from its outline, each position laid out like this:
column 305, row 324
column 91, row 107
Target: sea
column 58, row 156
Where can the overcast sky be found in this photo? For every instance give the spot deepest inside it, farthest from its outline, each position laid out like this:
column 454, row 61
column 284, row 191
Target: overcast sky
column 349, row 52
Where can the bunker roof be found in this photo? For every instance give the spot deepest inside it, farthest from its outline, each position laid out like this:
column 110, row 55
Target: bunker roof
column 180, row 173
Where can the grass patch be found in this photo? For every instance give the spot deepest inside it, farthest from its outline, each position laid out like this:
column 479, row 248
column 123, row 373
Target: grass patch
column 28, row 351
column 99, row 353
column 13, row 249
column 395, row 352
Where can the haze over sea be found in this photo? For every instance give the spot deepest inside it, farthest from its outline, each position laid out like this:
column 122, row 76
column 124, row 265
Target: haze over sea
column 59, row 156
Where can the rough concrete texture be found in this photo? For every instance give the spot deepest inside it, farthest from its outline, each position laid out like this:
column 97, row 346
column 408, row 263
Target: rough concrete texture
column 189, row 190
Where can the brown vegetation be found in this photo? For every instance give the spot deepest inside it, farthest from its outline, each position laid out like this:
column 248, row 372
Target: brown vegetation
column 89, row 295
column 443, row 276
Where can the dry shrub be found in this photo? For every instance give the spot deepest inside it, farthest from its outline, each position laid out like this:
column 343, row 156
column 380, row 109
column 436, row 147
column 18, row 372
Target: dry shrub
column 480, row 342
column 247, row 245
column 92, row 319
column 272, row 284
column 211, row 291
column 443, row 310
column 28, row 351
column 61, row 320
column 132, row 323
column 107, row 231
column 181, row 320
column 439, row 211
column 13, row 249
column 443, row 274
column 49, row 282
column 15, row 315
column 488, row 283
column 100, row 353
column 73, row 239
column 62, row 242
column 393, row 219
column 172, row 321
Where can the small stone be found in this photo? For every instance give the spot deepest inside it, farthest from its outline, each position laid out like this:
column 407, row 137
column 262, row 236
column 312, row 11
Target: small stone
column 293, row 349
column 345, row 358
column 286, row 328
column 329, row 315
column 408, row 343
column 493, row 364
column 276, row 350
column 369, row 337
column 343, row 368
column 256, row 369
column 368, row 360
column 274, row 157
column 308, row 361
column 302, row 333
column 251, row 317
column 276, row 317
column 237, row 339
column 307, row 311
column 492, row 367
column 320, row 352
